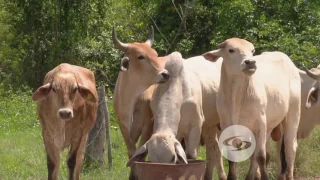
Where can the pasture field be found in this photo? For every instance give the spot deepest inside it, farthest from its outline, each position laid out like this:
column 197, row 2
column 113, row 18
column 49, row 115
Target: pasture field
column 22, row 154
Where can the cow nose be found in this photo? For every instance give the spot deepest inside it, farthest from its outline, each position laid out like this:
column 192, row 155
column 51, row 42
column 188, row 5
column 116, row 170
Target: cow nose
column 247, row 62
column 165, row 75
column 65, row 114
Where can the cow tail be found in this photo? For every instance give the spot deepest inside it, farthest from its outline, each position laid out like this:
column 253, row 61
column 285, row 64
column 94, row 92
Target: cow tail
column 283, row 157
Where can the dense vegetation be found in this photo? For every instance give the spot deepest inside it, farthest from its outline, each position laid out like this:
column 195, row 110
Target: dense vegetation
column 36, row 35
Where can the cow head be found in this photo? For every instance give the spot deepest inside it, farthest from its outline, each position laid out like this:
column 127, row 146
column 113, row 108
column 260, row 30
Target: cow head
column 141, row 61
column 161, row 148
column 236, row 54
column 313, row 95
column 62, row 90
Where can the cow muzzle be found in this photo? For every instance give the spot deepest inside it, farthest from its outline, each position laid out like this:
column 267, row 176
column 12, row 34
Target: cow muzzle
column 250, row 67
column 65, row 114
column 164, row 76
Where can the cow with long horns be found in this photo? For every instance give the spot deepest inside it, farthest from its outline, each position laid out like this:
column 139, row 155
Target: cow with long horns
column 141, row 70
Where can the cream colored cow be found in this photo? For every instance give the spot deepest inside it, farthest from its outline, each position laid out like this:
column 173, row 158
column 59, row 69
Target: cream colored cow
column 309, row 108
column 184, row 108
column 309, row 102
column 259, row 92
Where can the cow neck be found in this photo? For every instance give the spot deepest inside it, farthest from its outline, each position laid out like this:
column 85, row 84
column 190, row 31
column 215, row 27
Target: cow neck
column 167, row 115
column 130, row 87
column 235, row 89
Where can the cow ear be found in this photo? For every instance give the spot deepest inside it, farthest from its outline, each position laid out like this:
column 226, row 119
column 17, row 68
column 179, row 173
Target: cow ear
column 182, row 158
column 212, row 55
column 312, row 97
column 141, row 152
column 41, row 92
column 124, row 64
column 87, row 94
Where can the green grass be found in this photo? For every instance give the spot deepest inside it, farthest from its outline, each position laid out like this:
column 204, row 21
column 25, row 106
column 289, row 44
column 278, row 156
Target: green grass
column 22, row 154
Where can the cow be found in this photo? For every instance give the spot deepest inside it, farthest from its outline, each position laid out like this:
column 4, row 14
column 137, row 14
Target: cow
column 141, row 70
column 184, row 108
column 308, row 119
column 309, row 102
column 259, row 92
column 67, row 108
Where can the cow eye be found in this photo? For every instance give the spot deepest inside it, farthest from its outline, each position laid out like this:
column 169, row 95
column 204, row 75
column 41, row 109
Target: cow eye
column 140, row 57
column 253, row 51
column 231, row 50
column 53, row 89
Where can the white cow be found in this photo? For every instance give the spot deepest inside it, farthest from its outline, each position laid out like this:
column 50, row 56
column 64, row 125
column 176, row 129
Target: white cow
column 184, row 108
column 259, row 92
column 309, row 116
column 309, row 98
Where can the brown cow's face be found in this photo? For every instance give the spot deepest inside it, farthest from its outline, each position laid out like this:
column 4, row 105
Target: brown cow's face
column 145, row 65
column 141, row 61
column 62, row 92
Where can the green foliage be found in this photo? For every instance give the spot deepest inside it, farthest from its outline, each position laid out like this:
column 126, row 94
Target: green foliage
column 17, row 111
column 37, row 35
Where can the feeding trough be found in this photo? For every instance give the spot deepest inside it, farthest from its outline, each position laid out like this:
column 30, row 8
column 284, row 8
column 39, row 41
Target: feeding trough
column 194, row 170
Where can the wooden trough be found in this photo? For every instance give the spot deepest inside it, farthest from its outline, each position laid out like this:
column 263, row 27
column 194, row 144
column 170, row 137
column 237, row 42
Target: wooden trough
column 194, row 170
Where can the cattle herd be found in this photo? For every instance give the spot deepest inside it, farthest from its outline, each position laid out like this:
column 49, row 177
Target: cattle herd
column 174, row 105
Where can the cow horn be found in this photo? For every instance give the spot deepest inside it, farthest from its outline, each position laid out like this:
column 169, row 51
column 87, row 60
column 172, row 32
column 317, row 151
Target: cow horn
column 118, row 44
column 151, row 37
column 313, row 73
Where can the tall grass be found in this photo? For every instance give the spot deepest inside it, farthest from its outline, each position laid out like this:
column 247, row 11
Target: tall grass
column 22, row 154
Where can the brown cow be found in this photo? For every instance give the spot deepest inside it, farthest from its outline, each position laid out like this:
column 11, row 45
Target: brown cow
column 141, row 69
column 67, row 109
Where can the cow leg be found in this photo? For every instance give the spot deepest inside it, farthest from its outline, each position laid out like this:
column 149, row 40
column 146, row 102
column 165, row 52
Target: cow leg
column 213, row 155
column 195, row 116
column 192, row 142
column 267, row 152
column 137, row 125
column 290, row 127
column 125, row 124
column 142, row 126
column 278, row 148
column 135, row 133
column 147, row 118
column 232, row 174
column 259, row 155
column 75, row 157
column 53, row 158
column 142, row 122
column 258, row 174
column 218, row 158
column 210, row 158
